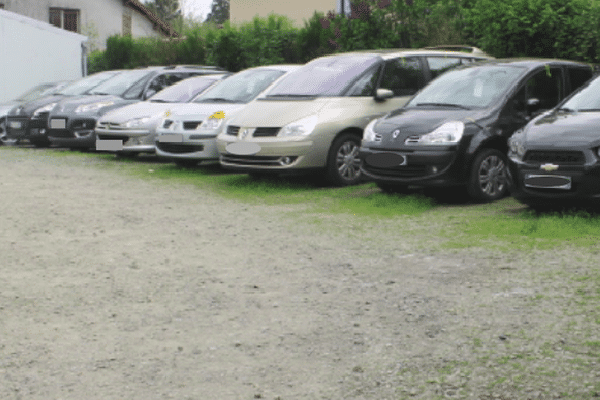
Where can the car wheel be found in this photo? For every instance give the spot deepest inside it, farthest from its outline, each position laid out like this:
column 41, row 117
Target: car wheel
column 488, row 180
column 4, row 139
column 343, row 165
column 186, row 163
column 392, row 188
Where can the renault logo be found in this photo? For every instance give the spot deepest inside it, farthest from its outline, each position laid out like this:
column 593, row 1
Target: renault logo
column 549, row 167
column 396, row 133
column 244, row 134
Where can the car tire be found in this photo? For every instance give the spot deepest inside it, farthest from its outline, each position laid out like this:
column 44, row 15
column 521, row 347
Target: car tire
column 186, row 163
column 488, row 179
column 392, row 188
column 343, row 164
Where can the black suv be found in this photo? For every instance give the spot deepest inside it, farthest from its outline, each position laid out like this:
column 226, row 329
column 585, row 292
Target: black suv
column 71, row 122
column 455, row 131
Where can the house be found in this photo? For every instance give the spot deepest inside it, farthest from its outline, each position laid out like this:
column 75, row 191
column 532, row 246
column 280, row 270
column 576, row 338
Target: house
column 34, row 52
column 244, row 10
column 97, row 19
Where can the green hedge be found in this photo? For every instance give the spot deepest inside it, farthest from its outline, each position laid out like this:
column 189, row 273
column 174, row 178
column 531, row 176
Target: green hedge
column 567, row 29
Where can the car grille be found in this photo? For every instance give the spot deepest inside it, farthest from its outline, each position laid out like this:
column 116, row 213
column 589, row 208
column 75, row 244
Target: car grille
column 109, row 126
column 406, row 171
column 60, row 133
column 265, row 132
column 254, row 160
column 178, row 148
column 412, row 140
column 113, row 137
column 80, row 124
column 233, row 130
column 558, row 157
column 190, row 125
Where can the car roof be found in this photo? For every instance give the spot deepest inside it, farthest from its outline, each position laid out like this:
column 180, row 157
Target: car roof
column 386, row 54
column 530, row 63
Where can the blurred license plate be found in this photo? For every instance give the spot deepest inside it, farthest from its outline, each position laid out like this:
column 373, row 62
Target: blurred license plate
column 171, row 138
column 58, row 123
column 548, row 181
column 15, row 124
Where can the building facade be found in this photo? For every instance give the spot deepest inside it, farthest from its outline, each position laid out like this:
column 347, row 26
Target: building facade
column 97, row 19
column 244, row 10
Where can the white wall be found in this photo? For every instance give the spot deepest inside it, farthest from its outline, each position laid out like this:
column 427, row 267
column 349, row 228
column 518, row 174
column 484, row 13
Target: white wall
column 34, row 52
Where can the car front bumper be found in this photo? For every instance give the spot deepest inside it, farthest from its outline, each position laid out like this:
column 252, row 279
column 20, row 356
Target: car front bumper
column 72, row 132
column 131, row 140
column 419, row 167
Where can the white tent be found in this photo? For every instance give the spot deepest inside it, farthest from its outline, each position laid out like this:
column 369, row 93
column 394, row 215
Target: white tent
column 33, row 52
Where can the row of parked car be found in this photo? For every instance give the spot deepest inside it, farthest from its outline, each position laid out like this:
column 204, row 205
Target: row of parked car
column 442, row 117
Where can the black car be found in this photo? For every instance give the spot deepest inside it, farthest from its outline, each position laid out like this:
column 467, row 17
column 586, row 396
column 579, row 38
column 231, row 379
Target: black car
column 555, row 159
column 29, row 120
column 71, row 123
column 455, row 131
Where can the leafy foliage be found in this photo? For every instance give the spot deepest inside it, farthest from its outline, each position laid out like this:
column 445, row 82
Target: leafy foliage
column 219, row 12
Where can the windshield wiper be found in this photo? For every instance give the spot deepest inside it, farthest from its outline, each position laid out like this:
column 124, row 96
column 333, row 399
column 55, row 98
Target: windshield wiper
column 217, row 99
column 101, row 93
column 159, row 101
column 589, row 109
column 444, row 105
column 565, row 109
column 290, row 95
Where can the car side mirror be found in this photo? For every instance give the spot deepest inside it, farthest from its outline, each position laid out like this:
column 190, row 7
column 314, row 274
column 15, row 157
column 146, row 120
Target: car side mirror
column 533, row 104
column 383, row 94
column 149, row 93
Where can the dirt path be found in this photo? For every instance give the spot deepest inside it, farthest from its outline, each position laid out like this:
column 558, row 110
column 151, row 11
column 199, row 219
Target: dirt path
column 113, row 287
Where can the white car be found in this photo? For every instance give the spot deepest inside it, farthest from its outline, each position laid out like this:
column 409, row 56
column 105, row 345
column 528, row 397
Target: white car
column 131, row 129
column 188, row 131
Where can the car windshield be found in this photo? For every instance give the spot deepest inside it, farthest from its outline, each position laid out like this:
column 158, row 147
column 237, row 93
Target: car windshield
column 34, row 93
column 328, row 76
column 587, row 99
column 183, row 91
column 120, row 83
column 84, row 85
column 471, row 87
column 241, row 87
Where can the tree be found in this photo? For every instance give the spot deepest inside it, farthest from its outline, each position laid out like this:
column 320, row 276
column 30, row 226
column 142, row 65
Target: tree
column 166, row 10
column 219, row 12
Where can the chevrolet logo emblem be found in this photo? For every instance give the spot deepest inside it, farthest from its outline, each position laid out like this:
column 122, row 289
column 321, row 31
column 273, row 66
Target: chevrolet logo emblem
column 549, row 167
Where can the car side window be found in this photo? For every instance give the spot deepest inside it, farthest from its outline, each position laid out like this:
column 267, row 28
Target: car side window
column 577, row 77
column 403, row 76
column 366, row 84
column 546, row 86
column 439, row 65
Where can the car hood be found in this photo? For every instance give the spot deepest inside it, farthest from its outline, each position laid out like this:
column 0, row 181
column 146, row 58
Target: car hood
column 28, row 108
column 420, row 121
column 68, row 107
column 136, row 110
column 200, row 111
column 277, row 113
column 565, row 129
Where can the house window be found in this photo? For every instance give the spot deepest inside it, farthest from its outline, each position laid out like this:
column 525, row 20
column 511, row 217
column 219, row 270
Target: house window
column 1, row 6
column 67, row 19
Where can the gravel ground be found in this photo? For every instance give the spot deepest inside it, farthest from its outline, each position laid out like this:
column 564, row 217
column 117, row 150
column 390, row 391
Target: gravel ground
column 116, row 287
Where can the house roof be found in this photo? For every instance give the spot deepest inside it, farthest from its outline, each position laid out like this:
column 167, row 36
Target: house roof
column 159, row 24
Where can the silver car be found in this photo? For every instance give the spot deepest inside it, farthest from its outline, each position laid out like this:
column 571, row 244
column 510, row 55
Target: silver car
column 187, row 133
column 132, row 128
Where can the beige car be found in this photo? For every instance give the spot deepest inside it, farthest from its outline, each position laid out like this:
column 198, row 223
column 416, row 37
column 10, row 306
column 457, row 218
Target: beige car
column 313, row 119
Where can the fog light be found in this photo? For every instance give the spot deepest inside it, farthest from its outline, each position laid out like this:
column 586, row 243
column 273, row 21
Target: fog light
column 434, row 170
column 285, row 160
column 42, row 131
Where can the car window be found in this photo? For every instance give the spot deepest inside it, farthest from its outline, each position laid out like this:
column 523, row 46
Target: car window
column 471, row 87
column 403, row 76
column 586, row 99
column 327, row 76
column 439, row 65
column 546, row 86
column 163, row 81
column 120, row 84
column 84, row 85
column 578, row 76
column 365, row 85
column 241, row 87
column 183, row 91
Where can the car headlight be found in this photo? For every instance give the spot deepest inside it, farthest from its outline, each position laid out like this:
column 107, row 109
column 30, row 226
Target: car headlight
column 369, row 134
column 46, row 108
column 516, row 144
column 448, row 133
column 136, row 122
column 93, row 107
column 301, row 127
column 210, row 124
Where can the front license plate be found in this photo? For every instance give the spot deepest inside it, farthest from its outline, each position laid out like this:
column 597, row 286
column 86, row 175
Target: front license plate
column 109, row 145
column 57, row 123
column 548, row 181
column 242, row 148
column 385, row 160
column 171, row 138
column 15, row 124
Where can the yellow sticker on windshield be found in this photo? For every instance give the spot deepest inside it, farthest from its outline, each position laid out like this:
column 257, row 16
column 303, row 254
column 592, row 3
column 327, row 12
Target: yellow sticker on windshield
column 218, row 115
column 167, row 113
